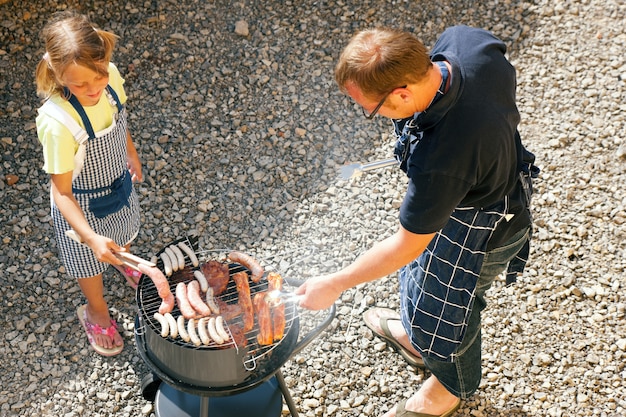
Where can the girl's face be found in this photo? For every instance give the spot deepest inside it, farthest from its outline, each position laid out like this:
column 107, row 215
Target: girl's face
column 84, row 83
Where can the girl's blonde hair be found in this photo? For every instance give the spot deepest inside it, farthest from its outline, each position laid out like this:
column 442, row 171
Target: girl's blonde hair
column 379, row 60
column 70, row 38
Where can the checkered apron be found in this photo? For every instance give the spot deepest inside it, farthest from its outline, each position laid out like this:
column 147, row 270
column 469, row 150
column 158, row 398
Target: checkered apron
column 105, row 162
column 437, row 289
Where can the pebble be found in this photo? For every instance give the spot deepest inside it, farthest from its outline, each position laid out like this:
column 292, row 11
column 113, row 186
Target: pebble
column 241, row 130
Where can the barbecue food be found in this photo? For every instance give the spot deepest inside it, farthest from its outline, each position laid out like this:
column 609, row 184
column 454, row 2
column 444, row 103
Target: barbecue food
column 171, row 321
column 180, row 258
column 162, row 286
column 193, row 295
column 245, row 302
column 180, row 323
column 275, row 282
column 204, row 285
column 183, row 301
column 165, row 327
column 167, row 263
column 190, row 253
column 249, row 262
column 203, row 331
column 191, row 329
column 173, row 259
column 217, row 275
column 221, row 330
column 264, row 319
column 211, row 302
column 229, row 311
column 213, row 332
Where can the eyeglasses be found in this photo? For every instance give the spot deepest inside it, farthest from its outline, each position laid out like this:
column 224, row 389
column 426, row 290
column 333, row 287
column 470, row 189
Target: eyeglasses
column 380, row 104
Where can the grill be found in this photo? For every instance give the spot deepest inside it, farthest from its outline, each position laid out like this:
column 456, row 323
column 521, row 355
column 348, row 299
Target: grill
column 239, row 367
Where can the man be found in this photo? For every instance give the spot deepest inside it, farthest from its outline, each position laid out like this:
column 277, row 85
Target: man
column 465, row 215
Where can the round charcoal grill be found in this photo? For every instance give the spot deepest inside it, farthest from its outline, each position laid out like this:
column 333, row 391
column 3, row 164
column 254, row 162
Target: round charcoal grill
column 242, row 377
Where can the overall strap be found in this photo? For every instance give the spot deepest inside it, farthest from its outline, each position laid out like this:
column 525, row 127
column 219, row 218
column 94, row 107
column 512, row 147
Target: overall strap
column 115, row 97
column 81, row 112
column 56, row 112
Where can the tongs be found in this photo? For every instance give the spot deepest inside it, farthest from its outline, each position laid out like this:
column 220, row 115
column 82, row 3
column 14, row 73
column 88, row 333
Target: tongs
column 127, row 259
column 349, row 171
column 276, row 297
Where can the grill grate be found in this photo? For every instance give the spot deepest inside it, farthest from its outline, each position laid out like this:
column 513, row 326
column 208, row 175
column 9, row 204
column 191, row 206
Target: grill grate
column 149, row 301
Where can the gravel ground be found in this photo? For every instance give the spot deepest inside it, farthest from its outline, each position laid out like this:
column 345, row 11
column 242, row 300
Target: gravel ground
column 241, row 130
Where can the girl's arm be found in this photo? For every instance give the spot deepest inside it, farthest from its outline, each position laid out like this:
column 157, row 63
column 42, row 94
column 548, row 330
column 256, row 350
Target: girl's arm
column 132, row 159
column 102, row 246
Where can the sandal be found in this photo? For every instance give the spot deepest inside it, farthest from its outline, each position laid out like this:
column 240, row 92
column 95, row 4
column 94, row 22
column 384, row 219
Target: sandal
column 92, row 329
column 130, row 275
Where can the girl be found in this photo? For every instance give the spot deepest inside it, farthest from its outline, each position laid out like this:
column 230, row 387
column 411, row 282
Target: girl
column 92, row 163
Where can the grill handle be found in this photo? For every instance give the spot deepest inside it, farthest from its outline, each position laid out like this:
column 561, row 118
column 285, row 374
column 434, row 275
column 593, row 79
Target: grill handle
column 316, row 331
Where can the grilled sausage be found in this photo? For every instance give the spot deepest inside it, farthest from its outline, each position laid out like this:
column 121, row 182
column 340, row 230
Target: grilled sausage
column 157, row 277
column 221, row 330
column 171, row 321
column 180, row 323
column 210, row 301
column 165, row 328
column 213, row 332
column 179, row 256
column 203, row 331
column 204, row 284
column 249, row 262
column 183, row 302
column 167, row 263
column 173, row 259
column 190, row 253
column 193, row 295
column 191, row 329
column 167, row 305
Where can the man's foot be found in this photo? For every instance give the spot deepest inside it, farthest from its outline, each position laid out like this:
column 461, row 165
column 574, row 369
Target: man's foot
column 386, row 324
column 432, row 400
column 101, row 331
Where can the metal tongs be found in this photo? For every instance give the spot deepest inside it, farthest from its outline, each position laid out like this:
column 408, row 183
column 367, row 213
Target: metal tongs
column 276, row 297
column 127, row 259
column 349, row 171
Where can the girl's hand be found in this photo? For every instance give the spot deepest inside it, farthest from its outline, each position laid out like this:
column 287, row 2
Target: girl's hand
column 104, row 248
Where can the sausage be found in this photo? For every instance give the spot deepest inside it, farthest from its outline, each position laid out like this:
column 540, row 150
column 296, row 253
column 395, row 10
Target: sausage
column 165, row 328
column 249, row 262
column 180, row 323
column 190, row 253
column 204, row 284
column 173, row 259
column 191, row 329
column 193, row 295
column 157, row 277
column 167, row 263
column 210, row 301
column 179, row 256
column 213, row 332
column 202, row 331
column 221, row 330
column 183, row 302
column 167, row 305
column 171, row 321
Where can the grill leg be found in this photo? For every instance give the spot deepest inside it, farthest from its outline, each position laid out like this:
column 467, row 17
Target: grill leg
column 286, row 395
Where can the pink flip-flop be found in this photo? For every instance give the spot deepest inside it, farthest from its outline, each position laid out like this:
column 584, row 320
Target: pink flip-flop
column 92, row 329
column 130, row 275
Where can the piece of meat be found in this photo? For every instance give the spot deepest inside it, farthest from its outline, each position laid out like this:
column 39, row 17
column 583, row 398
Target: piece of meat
column 264, row 319
column 217, row 275
column 193, row 295
column 275, row 282
column 229, row 311
column 245, row 302
column 168, row 304
column 249, row 262
column 157, row 277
